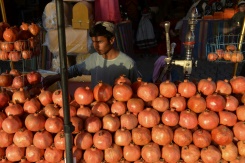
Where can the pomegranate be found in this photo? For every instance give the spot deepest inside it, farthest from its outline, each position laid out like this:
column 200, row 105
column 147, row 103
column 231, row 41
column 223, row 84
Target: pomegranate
column 141, row 135
column 182, row 136
column 212, row 56
column 9, row 35
column 122, row 79
column 14, row 153
column 35, row 122
column 6, row 139
column 147, row 91
column 237, row 56
column 45, row 97
column 178, row 102
column 118, row 107
column 240, row 113
column 83, row 140
column 122, row 137
column 131, row 152
column 11, row 124
column 206, row 86
column 102, row 92
column 210, row 154
column 222, row 135
column 94, row 155
column 110, row 122
column 19, row 81
column 135, row 105
column 24, row 26
column 52, row 154
column 122, row 92
column 171, row 152
column 196, row 103
column 168, row 89
column 32, row 106
column 238, row 130
column 128, row 121
column 208, row 119
column 170, row 117
column 84, row 112
column 188, row 119
column 160, row 103
column 34, row 154
column 227, row 118
column 42, row 139
column 14, row 56
column 23, row 138
column 57, row 97
column 237, row 84
column 33, row 77
column 215, row 102
column 4, row 99
column 83, row 95
column 190, row 153
column 162, row 134
column 151, row 152
column 100, row 109
column 102, row 139
column 54, row 124
column 77, row 123
column 34, row 29
column 59, row 140
column 229, row 152
column 20, row 96
column 231, row 103
column 113, row 153
column 51, row 110
column 202, row 138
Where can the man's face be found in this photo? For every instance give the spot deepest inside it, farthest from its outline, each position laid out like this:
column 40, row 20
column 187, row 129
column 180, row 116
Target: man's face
column 102, row 45
column 242, row 8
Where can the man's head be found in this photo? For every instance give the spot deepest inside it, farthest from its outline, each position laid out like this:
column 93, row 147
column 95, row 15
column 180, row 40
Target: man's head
column 103, row 28
column 241, row 5
column 103, row 37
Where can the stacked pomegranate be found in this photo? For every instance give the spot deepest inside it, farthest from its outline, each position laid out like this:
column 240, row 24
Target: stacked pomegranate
column 18, row 43
column 230, row 53
column 183, row 122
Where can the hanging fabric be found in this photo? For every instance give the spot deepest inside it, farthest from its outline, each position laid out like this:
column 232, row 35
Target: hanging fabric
column 107, row 10
column 145, row 37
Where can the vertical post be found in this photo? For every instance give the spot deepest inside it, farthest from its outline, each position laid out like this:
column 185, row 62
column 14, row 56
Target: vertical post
column 68, row 127
column 239, row 46
column 5, row 20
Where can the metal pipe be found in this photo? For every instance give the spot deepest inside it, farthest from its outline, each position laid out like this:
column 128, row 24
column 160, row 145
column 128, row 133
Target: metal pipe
column 3, row 11
column 68, row 128
column 239, row 46
column 167, row 27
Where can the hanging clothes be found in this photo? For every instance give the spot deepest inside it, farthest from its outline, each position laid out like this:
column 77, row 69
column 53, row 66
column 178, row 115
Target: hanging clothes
column 145, row 37
column 107, row 10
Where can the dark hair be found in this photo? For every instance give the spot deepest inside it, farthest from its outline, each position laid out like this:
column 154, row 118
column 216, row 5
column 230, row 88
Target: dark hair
column 100, row 30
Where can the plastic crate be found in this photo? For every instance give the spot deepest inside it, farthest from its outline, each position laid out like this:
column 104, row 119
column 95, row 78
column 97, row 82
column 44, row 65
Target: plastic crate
column 221, row 41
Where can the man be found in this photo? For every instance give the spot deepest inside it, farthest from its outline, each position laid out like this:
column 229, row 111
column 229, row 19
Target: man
column 106, row 64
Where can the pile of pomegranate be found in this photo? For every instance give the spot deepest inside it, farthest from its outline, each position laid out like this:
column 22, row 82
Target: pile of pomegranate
column 187, row 122
column 18, row 43
column 230, row 53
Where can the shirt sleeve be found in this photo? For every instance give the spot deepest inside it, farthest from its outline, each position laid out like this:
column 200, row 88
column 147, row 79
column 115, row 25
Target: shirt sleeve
column 82, row 68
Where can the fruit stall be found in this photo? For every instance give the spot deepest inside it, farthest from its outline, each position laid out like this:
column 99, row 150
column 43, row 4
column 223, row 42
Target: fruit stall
column 141, row 122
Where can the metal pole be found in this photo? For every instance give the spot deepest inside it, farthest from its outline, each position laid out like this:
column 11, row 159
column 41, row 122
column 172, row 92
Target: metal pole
column 68, row 127
column 239, row 46
column 3, row 11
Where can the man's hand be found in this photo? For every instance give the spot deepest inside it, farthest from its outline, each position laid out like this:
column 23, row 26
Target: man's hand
column 49, row 80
